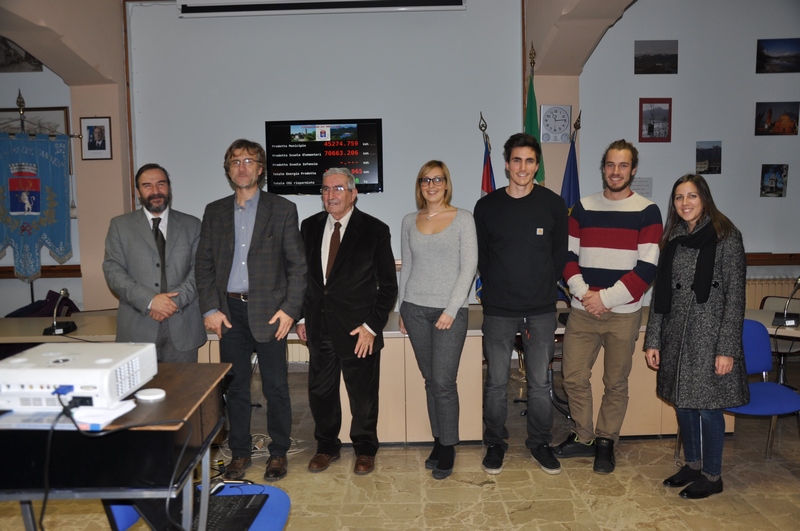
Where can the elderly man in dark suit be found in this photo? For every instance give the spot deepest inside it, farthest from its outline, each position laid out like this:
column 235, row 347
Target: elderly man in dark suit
column 149, row 264
column 352, row 287
column 251, row 277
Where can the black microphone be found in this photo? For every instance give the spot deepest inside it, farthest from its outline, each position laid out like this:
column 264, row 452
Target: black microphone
column 64, row 327
column 785, row 318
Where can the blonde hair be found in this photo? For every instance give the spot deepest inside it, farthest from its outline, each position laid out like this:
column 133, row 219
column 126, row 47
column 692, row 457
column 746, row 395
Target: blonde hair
column 448, row 185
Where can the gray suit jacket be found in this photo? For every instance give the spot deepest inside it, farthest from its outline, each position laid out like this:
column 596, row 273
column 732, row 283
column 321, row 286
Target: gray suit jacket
column 132, row 270
column 276, row 263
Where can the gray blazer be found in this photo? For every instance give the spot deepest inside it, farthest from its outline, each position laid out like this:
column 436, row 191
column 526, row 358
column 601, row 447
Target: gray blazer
column 276, row 263
column 132, row 270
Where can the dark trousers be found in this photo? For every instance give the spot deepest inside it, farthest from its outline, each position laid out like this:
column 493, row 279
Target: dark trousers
column 538, row 333
column 361, row 378
column 236, row 347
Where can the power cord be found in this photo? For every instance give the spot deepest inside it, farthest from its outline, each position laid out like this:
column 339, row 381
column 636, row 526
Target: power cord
column 66, row 411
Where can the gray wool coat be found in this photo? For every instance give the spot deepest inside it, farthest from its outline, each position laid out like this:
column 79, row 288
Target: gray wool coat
column 693, row 335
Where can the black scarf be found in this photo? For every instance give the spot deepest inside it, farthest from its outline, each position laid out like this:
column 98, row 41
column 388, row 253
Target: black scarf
column 704, row 239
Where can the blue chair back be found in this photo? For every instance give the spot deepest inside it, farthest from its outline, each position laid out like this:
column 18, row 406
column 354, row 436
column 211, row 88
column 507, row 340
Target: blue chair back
column 757, row 348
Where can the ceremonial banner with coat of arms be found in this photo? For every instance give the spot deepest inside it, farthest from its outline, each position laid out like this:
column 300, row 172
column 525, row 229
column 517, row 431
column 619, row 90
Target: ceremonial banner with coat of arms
column 34, row 201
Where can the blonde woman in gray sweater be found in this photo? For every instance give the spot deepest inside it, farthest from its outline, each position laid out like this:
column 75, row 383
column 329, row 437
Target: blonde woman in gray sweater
column 440, row 257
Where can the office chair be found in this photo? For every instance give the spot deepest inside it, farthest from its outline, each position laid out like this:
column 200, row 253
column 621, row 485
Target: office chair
column 782, row 348
column 767, row 399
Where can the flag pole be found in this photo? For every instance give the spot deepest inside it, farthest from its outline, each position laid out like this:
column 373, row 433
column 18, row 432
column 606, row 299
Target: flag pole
column 532, row 115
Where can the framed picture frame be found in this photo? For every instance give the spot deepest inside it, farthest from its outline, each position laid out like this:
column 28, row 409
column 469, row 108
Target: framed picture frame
column 655, row 119
column 38, row 120
column 96, row 138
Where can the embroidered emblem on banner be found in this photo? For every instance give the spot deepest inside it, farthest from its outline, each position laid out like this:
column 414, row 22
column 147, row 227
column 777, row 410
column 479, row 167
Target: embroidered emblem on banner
column 24, row 190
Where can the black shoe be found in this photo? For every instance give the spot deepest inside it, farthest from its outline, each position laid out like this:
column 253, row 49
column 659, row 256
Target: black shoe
column 684, row 476
column 493, row 462
column 572, row 447
column 702, row 488
column 430, row 462
column 604, row 461
column 445, row 463
column 543, row 454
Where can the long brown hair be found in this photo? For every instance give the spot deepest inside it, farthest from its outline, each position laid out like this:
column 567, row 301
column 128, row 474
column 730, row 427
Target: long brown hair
column 722, row 225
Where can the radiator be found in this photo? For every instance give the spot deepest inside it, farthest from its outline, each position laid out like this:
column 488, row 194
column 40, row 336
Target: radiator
column 297, row 352
column 758, row 288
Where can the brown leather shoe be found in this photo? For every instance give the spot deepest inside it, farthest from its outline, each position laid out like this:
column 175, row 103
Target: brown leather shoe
column 321, row 462
column 364, row 464
column 276, row 468
column 236, row 468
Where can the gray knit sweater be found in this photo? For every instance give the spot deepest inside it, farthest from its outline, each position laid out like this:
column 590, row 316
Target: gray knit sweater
column 438, row 269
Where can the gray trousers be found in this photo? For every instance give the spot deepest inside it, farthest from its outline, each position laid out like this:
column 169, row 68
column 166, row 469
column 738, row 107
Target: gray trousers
column 438, row 354
column 166, row 351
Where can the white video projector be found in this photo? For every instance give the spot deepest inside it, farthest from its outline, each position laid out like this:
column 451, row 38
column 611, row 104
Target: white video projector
column 100, row 374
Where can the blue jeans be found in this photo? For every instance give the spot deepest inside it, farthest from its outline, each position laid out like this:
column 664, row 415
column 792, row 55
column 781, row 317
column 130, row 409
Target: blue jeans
column 538, row 340
column 438, row 354
column 702, row 441
column 236, row 346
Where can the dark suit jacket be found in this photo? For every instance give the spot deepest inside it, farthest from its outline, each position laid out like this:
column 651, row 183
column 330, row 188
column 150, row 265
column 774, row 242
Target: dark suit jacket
column 362, row 287
column 132, row 270
column 276, row 265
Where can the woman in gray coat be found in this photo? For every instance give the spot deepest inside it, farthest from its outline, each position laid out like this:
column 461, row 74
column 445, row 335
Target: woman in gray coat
column 694, row 334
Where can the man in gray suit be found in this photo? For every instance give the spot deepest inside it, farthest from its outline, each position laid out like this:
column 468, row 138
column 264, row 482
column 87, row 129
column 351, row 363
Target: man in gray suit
column 251, row 277
column 156, row 289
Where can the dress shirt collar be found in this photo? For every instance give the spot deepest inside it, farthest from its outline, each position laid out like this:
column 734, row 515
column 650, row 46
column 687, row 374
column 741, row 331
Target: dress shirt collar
column 344, row 221
column 164, row 220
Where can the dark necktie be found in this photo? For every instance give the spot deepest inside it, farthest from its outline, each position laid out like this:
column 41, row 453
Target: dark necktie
column 333, row 249
column 161, row 243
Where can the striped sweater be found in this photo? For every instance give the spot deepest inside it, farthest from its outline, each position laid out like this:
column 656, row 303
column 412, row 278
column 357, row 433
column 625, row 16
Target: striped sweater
column 613, row 249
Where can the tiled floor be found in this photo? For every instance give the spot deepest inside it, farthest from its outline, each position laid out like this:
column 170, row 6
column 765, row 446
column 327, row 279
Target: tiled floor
column 401, row 494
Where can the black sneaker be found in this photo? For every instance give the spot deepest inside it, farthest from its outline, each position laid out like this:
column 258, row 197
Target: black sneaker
column 493, row 462
column 572, row 447
column 604, row 461
column 543, row 454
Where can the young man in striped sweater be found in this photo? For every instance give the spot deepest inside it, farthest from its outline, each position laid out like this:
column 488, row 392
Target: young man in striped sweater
column 613, row 253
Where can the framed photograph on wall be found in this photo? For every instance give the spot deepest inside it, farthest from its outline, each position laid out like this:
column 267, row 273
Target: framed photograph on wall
column 655, row 119
column 96, row 138
column 41, row 120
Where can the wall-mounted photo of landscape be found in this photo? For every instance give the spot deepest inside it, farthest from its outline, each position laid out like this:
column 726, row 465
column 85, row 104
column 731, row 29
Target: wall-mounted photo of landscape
column 655, row 57
column 777, row 56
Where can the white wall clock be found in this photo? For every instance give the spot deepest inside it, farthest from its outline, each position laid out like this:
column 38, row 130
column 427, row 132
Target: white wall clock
column 556, row 123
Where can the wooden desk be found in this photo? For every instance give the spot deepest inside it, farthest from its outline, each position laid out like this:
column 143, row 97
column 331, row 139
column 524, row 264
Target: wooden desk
column 92, row 326
column 136, row 463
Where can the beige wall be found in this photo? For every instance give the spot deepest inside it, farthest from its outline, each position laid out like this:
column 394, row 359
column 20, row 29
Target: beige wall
column 83, row 42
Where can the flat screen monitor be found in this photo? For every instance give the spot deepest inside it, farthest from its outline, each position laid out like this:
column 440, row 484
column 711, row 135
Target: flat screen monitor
column 299, row 152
